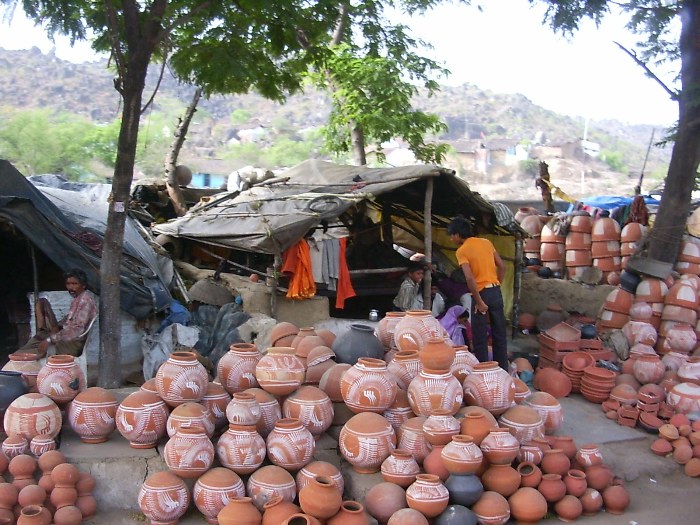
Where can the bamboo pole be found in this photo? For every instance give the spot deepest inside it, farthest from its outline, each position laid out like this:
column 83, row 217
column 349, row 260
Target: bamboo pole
column 428, row 241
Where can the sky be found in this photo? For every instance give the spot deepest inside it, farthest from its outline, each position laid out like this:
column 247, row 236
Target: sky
column 507, row 49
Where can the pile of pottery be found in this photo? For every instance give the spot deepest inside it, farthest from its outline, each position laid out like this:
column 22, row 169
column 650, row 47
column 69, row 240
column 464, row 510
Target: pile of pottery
column 679, row 439
column 61, row 496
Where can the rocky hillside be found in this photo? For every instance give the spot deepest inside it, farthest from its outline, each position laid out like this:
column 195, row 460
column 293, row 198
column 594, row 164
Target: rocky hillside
column 30, row 79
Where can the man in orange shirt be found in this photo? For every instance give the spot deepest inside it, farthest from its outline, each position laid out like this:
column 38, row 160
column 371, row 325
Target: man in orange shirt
column 483, row 271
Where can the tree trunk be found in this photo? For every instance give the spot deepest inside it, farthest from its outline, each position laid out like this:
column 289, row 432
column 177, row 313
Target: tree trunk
column 669, row 225
column 358, row 144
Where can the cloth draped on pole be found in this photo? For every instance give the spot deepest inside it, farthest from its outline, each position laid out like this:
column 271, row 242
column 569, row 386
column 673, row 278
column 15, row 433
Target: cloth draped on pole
column 297, row 264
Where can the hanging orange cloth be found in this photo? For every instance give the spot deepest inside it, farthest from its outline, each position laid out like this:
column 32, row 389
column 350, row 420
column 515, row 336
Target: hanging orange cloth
column 344, row 289
column 297, row 263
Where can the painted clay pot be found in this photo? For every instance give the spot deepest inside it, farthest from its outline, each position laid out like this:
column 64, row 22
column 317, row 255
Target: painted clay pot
column 163, row 498
column 405, row 366
column 368, row 386
column 182, row 378
column 61, row 378
column 530, row 452
column 416, row 328
column 270, row 410
column 400, row 468
column 500, row 447
column 236, row 368
column 279, row 371
column 320, row 498
column 283, row 333
column 189, row 453
column 32, row 415
column 527, row 505
column 648, row 369
column 548, row 408
column 492, row 509
column 290, row 445
column 412, row 438
column 141, row 419
column 437, row 354
column 311, row 406
column 40, row 445
column 503, row 479
column 26, row 364
column 489, row 386
column 463, row 364
column 435, row 389
column 350, row 513
column 214, row 489
column 462, row 455
column 268, row 482
column 243, row 409
column 440, row 427
column 589, row 455
column 365, row 441
column 190, row 415
column 683, row 398
column 92, row 414
column 524, row 422
column 320, row 468
column 427, row 495
column 277, row 510
column 320, row 359
column 399, row 412
column 386, row 327
column 12, row 446
column 359, row 341
column 216, row 400
column 241, row 449
column 239, row 511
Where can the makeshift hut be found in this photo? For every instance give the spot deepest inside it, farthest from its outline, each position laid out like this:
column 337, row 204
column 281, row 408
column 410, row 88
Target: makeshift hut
column 374, row 209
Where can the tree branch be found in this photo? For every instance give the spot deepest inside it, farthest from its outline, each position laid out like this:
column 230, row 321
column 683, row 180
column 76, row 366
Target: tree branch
column 673, row 94
column 155, row 90
column 340, row 25
column 113, row 31
column 183, row 19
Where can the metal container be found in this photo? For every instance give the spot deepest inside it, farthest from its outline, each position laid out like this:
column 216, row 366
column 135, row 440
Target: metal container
column 374, row 315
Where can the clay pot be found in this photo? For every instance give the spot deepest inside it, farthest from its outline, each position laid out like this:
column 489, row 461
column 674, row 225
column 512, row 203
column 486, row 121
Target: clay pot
column 301, row 519
column 190, row 415
column 399, row 412
column 31, row 415
column 530, row 452
column 92, row 414
column 427, row 495
column 12, row 386
column 283, row 333
column 552, row 487
column 440, row 426
column 500, row 447
column 416, row 328
column 492, row 509
column 599, row 477
column 241, row 449
column 489, row 386
column 270, row 410
column 555, row 462
column 181, row 378
column 566, row 444
column 503, row 479
column 383, row 500
column 40, row 445
column 355, row 433
column 61, row 378
column 589, row 455
column 530, row 474
column 31, row 495
column 320, row 498
column 141, row 419
column 555, row 383
column 319, row 360
column 236, row 368
column 14, row 446
column 34, row 515
column 277, row 510
column 22, row 469
column 476, row 425
column 433, row 463
column 568, row 508
column 268, row 482
column 279, row 371
column 368, row 386
column 386, row 327
column 524, row 422
column 163, row 498
column 68, row 515
column 404, row 366
column 412, row 438
column 311, row 406
column 243, row 409
column 400, row 468
column 306, row 345
column 648, row 369
column 437, row 354
column 435, row 389
column 359, row 341
column 189, row 453
column 462, row 455
column 350, row 513
column 616, row 499
column 240, row 511
column 527, row 505
column 87, row 504
column 330, row 381
column 216, row 400
column 290, row 445
column 465, row 489
column 320, row 468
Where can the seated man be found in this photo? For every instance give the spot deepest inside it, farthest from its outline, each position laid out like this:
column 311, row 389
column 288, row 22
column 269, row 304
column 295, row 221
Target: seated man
column 410, row 289
column 68, row 334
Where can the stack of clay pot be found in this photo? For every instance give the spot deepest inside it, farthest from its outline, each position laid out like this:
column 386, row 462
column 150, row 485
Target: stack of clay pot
column 688, row 262
column 552, row 249
column 578, row 244
column 615, row 310
column 631, row 240
column 679, row 317
column 532, row 224
column 679, row 439
column 62, row 496
column 605, row 246
column 652, row 291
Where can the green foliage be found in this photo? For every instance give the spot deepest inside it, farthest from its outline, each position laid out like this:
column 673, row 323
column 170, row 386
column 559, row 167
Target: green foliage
column 529, row 167
column 283, row 152
column 239, row 116
column 615, row 160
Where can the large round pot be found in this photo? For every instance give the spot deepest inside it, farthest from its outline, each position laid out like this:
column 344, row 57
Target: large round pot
column 416, row 328
column 359, row 341
column 92, row 414
column 31, row 415
column 182, row 378
column 290, row 445
column 164, row 498
column 365, row 441
column 26, row 363
column 61, row 378
column 491, row 387
column 214, row 489
column 280, row 371
column 368, row 386
column 434, row 389
column 236, row 368
column 241, row 449
column 311, row 406
column 142, row 418
column 427, row 495
column 189, row 453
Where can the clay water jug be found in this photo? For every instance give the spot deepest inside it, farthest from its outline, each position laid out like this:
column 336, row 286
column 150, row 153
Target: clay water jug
column 236, row 368
column 320, row 498
column 279, row 371
column 241, row 449
column 368, row 386
column 386, row 327
column 350, row 513
column 405, row 366
column 61, row 379
column 437, row 354
column 214, row 489
column 216, row 400
column 416, row 328
column 290, row 445
column 182, row 378
column 354, row 435
column 189, row 453
column 435, row 389
column 476, row 425
column 163, row 498
column 92, row 415
column 311, row 406
column 491, row 387
column 240, row 511
column 427, row 495
column 359, row 341
column 400, row 468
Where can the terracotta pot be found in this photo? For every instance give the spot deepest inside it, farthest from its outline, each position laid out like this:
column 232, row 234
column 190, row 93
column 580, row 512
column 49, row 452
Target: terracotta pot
column 386, row 327
column 566, row 444
column 648, row 369
column 240, row 511
column 465, row 489
column 435, row 389
column 92, row 414
column 189, row 453
column 599, row 477
column 301, row 519
column 581, row 222
column 359, row 341
column 14, row 445
column 606, row 229
column 405, row 366
column 368, row 386
column 355, row 435
column 190, row 415
column 462, row 455
column 552, row 487
column 68, row 515
column 318, row 361
column 409, row 517
column 555, row 383
column 503, row 479
column 306, row 345
column 311, row 406
column 31, row 415
column 241, row 448
column 350, row 513
column 31, row 495
column 61, row 378
column 384, row 499
column 268, row 482
column 141, row 419
column 236, row 368
column 277, row 510
column 290, row 445
column 320, row 498
column 399, row 412
column 416, row 328
column 270, row 410
column 437, row 354
column 283, row 333
column 548, row 235
column 681, row 338
column 412, row 438
column 500, row 447
column 527, row 505
column 475, row 425
column 181, row 378
column 163, row 498
column 427, row 495
column 440, row 426
column 433, row 463
column 524, row 422
column 530, row 474
column 530, row 452
column 87, row 505
column 400, row 468
column 532, row 224
column 40, row 445
column 551, row 251
column 592, row 502
column 34, row 515
column 683, row 294
column 489, row 386
column 243, row 409
column 330, row 381
column 320, row 468
column 589, row 455
column 279, row 371
column 492, row 509
column 555, row 462
column 26, row 364
column 216, row 400
column 568, row 508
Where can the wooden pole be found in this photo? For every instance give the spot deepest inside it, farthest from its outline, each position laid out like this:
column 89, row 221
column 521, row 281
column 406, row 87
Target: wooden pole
column 428, row 240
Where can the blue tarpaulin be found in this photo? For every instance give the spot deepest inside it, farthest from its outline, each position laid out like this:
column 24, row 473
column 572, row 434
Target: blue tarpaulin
column 610, row 202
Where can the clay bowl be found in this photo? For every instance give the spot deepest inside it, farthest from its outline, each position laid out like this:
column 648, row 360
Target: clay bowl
column 632, row 232
column 601, row 374
column 650, row 422
column 661, row 447
column 651, row 290
column 689, row 252
column 656, row 392
column 577, row 361
column 606, row 229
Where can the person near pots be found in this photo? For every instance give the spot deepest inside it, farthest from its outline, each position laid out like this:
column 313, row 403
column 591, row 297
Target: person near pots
column 483, row 272
column 411, row 288
column 68, row 334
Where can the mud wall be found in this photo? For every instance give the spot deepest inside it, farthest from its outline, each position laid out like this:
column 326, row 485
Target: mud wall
column 536, row 293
